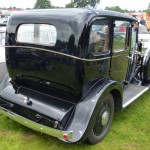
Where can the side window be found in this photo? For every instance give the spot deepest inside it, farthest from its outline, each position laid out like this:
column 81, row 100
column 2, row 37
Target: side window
column 134, row 36
column 99, row 37
column 37, row 34
column 133, row 39
column 121, row 35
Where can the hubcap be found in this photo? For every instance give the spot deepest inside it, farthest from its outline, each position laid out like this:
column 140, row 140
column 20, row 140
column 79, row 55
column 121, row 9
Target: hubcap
column 105, row 118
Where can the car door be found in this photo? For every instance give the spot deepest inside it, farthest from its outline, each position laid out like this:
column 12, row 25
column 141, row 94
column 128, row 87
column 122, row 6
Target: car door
column 120, row 55
column 98, row 50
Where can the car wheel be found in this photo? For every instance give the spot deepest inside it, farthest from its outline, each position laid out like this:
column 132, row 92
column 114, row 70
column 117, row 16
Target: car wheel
column 146, row 72
column 103, row 120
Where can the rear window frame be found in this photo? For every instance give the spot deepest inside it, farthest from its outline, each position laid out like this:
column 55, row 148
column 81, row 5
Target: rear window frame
column 39, row 44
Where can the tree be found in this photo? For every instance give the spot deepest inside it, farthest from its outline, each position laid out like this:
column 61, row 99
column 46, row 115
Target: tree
column 10, row 7
column 149, row 6
column 70, row 5
column 148, row 9
column 42, row 4
column 84, row 3
column 116, row 8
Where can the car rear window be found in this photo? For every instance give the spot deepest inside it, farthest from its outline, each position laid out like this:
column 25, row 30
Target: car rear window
column 43, row 34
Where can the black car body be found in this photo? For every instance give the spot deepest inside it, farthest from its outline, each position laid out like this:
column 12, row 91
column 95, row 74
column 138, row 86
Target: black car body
column 70, row 68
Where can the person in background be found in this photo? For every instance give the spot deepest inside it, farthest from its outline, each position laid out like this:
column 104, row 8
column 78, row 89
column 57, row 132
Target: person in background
column 143, row 21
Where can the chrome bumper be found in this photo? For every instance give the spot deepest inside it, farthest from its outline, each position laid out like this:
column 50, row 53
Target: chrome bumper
column 65, row 135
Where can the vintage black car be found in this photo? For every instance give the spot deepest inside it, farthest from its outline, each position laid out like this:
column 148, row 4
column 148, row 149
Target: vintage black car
column 69, row 69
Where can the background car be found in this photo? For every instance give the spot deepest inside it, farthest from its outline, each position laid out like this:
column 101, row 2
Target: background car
column 2, row 43
column 2, row 53
column 144, row 36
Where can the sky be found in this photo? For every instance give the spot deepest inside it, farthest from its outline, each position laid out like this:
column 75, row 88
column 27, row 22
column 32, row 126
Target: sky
column 124, row 4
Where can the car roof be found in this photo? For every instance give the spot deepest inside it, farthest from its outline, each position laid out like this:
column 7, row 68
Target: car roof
column 71, row 22
column 70, row 12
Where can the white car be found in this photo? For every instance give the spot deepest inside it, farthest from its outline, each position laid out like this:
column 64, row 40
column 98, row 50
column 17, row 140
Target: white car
column 144, row 36
column 3, row 69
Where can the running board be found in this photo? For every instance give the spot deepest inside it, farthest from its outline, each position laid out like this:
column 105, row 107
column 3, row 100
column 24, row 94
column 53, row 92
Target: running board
column 132, row 92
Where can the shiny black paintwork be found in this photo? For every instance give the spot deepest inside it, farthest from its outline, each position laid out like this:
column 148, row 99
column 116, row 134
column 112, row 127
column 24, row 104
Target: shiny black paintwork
column 73, row 32
column 73, row 75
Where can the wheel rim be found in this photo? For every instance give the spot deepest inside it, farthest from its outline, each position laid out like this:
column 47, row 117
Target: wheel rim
column 102, row 119
column 105, row 118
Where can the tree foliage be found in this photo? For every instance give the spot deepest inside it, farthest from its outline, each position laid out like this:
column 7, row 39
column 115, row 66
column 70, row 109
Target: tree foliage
column 148, row 9
column 116, row 8
column 84, row 3
column 70, row 5
column 149, row 6
column 42, row 4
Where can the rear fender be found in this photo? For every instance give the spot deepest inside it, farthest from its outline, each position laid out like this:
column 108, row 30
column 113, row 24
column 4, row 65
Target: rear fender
column 87, row 109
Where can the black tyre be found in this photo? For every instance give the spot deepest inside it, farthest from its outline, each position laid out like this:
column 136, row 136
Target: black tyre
column 103, row 120
column 146, row 72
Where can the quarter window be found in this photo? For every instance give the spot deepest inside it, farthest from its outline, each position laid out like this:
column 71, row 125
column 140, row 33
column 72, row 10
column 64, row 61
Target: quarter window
column 121, row 36
column 99, row 37
column 37, row 34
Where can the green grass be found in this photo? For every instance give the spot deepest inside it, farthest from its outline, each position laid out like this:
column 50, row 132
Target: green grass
column 130, row 131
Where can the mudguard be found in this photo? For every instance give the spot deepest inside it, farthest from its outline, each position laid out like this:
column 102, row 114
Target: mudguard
column 87, row 109
column 145, row 65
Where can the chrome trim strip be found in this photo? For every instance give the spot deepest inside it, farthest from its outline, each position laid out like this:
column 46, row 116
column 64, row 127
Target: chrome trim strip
column 135, row 97
column 36, row 126
column 63, row 54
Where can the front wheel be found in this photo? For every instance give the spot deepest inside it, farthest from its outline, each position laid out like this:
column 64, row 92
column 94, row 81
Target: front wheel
column 103, row 120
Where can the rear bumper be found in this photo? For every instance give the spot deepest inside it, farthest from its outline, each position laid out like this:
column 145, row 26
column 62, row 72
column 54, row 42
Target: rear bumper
column 64, row 135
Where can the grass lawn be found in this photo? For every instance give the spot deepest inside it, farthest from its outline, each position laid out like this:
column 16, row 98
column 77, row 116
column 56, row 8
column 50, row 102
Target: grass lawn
column 130, row 131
